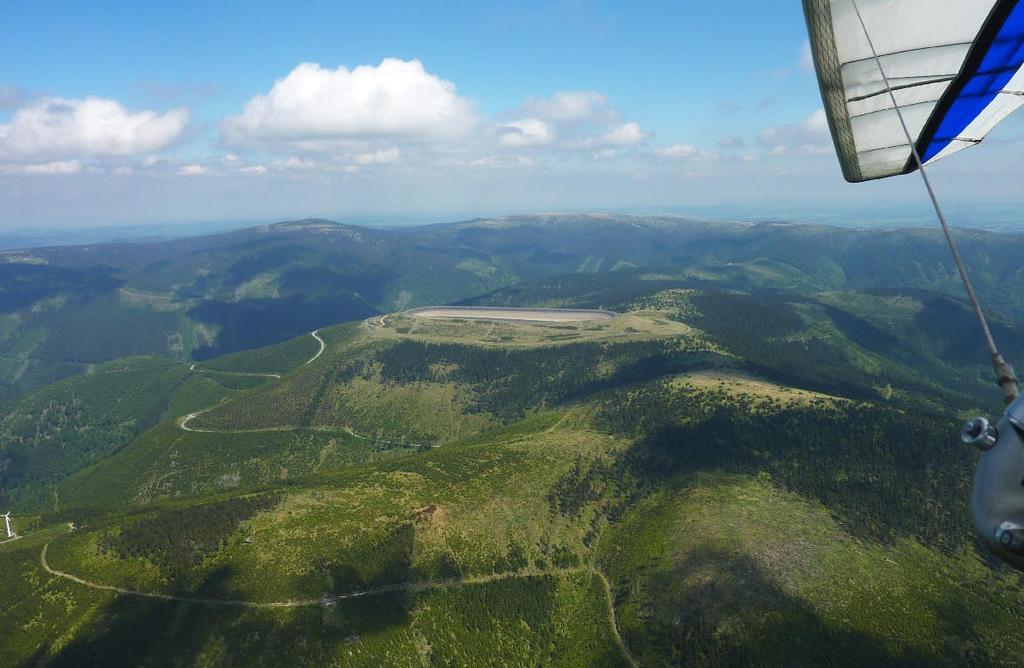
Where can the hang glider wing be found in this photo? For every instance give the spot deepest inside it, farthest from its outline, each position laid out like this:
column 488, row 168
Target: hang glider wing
column 955, row 67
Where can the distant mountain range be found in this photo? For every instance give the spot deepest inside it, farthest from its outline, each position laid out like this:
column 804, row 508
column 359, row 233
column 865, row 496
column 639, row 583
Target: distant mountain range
column 63, row 308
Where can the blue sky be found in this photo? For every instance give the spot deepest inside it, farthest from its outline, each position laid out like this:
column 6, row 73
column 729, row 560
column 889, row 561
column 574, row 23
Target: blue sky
column 121, row 113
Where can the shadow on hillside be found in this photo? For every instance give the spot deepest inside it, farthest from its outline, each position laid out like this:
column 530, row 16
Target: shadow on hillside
column 951, row 325
column 649, row 368
column 132, row 631
column 378, row 562
column 866, row 335
column 252, row 323
column 863, row 463
column 718, row 608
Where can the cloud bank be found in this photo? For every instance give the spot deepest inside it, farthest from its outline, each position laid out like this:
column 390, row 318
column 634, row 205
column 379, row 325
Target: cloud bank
column 58, row 129
column 395, row 118
column 316, row 108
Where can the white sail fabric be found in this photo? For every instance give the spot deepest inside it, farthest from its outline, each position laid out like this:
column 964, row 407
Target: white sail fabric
column 953, row 65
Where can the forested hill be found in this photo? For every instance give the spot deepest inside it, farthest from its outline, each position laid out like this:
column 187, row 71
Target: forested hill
column 713, row 477
column 64, row 308
column 754, row 463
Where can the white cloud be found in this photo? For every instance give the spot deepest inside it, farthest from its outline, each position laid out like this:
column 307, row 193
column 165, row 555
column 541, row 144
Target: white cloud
column 626, row 134
column 568, row 106
column 44, row 168
column 605, row 154
column 527, row 132
column 578, row 120
column 397, row 111
column 685, row 151
column 810, row 136
column 817, row 122
column 379, row 157
column 313, row 106
column 192, row 170
column 295, row 164
column 254, row 169
column 732, row 142
column 677, row 151
column 502, row 161
column 60, row 129
column 806, row 63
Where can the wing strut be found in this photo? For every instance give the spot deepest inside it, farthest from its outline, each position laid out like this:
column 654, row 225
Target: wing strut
column 1005, row 376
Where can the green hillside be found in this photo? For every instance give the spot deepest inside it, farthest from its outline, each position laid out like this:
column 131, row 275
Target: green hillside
column 543, row 511
column 750, row 465
column 50, row 434
column 732, row 571
column 64, row 308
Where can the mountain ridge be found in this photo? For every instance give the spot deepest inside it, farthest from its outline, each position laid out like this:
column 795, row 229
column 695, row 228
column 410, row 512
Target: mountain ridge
column 198, row 297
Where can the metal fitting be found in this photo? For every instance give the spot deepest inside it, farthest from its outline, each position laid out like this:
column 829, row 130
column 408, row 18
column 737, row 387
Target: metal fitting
column 1010, row 537
column 980, row 433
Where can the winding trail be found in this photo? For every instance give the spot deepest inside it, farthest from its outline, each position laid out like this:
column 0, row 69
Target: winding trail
column 613, row 622
column 361, row 437
column 315, row 334
column 191, row 416
column 323, row 346
column 325, row 601
column 333, row 599
column 183, row 423
column 236, row 373
column 376, row 321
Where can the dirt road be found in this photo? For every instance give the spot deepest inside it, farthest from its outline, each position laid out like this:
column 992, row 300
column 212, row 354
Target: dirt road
column 333, row 599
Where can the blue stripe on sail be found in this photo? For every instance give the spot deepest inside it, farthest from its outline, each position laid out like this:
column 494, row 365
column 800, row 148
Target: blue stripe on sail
column 999, row 65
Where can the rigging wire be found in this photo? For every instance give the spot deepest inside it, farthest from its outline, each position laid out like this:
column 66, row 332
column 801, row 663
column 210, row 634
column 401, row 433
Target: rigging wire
column 1005, row 376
